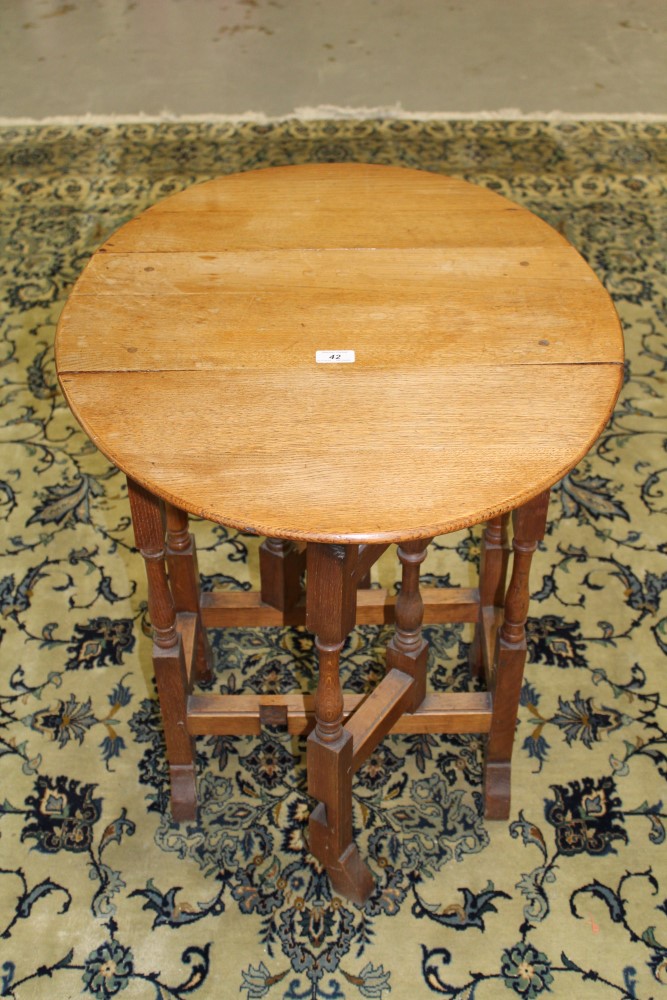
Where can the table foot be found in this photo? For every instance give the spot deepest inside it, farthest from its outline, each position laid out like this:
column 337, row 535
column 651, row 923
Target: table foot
column 497, row 789
column 183, row 792
column 350, row 875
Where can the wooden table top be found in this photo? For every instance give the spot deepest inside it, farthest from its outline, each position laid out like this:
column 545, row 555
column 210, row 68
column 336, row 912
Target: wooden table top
column 488, row 356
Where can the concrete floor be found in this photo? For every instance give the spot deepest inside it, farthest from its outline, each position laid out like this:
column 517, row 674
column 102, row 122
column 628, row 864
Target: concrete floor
column 275, row 58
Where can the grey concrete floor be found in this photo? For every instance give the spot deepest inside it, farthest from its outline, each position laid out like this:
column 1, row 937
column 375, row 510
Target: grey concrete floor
column 275, row 58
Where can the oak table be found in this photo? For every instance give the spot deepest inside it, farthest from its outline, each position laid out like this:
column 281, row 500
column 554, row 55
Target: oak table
column 340, row 357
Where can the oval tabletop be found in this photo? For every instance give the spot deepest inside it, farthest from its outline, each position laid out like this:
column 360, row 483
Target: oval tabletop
column 487, row 355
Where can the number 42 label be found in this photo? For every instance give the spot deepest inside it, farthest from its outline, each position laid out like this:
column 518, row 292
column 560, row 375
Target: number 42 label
column 334, row 357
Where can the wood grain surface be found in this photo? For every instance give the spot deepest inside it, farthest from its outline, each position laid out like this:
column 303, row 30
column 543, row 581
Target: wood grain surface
column 488, row 355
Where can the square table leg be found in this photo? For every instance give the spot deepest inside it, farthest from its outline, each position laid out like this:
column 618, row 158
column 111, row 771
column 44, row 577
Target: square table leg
column 184, row 584
column 331, row 613
column 168, row 656
column 281, row 566
column 510, row 657
column 494, row 559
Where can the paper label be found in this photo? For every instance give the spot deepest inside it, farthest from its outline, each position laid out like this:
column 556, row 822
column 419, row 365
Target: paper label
column 334, row 357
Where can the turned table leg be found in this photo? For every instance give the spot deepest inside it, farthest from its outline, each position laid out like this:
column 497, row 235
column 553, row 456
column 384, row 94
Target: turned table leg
column 168, row 658
column 407, row 650
column 510, row 657
column 494, row 559
column 184, row 582
column 331, row 614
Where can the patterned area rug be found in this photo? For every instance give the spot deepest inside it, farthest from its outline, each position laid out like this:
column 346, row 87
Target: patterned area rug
column 100, row 893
